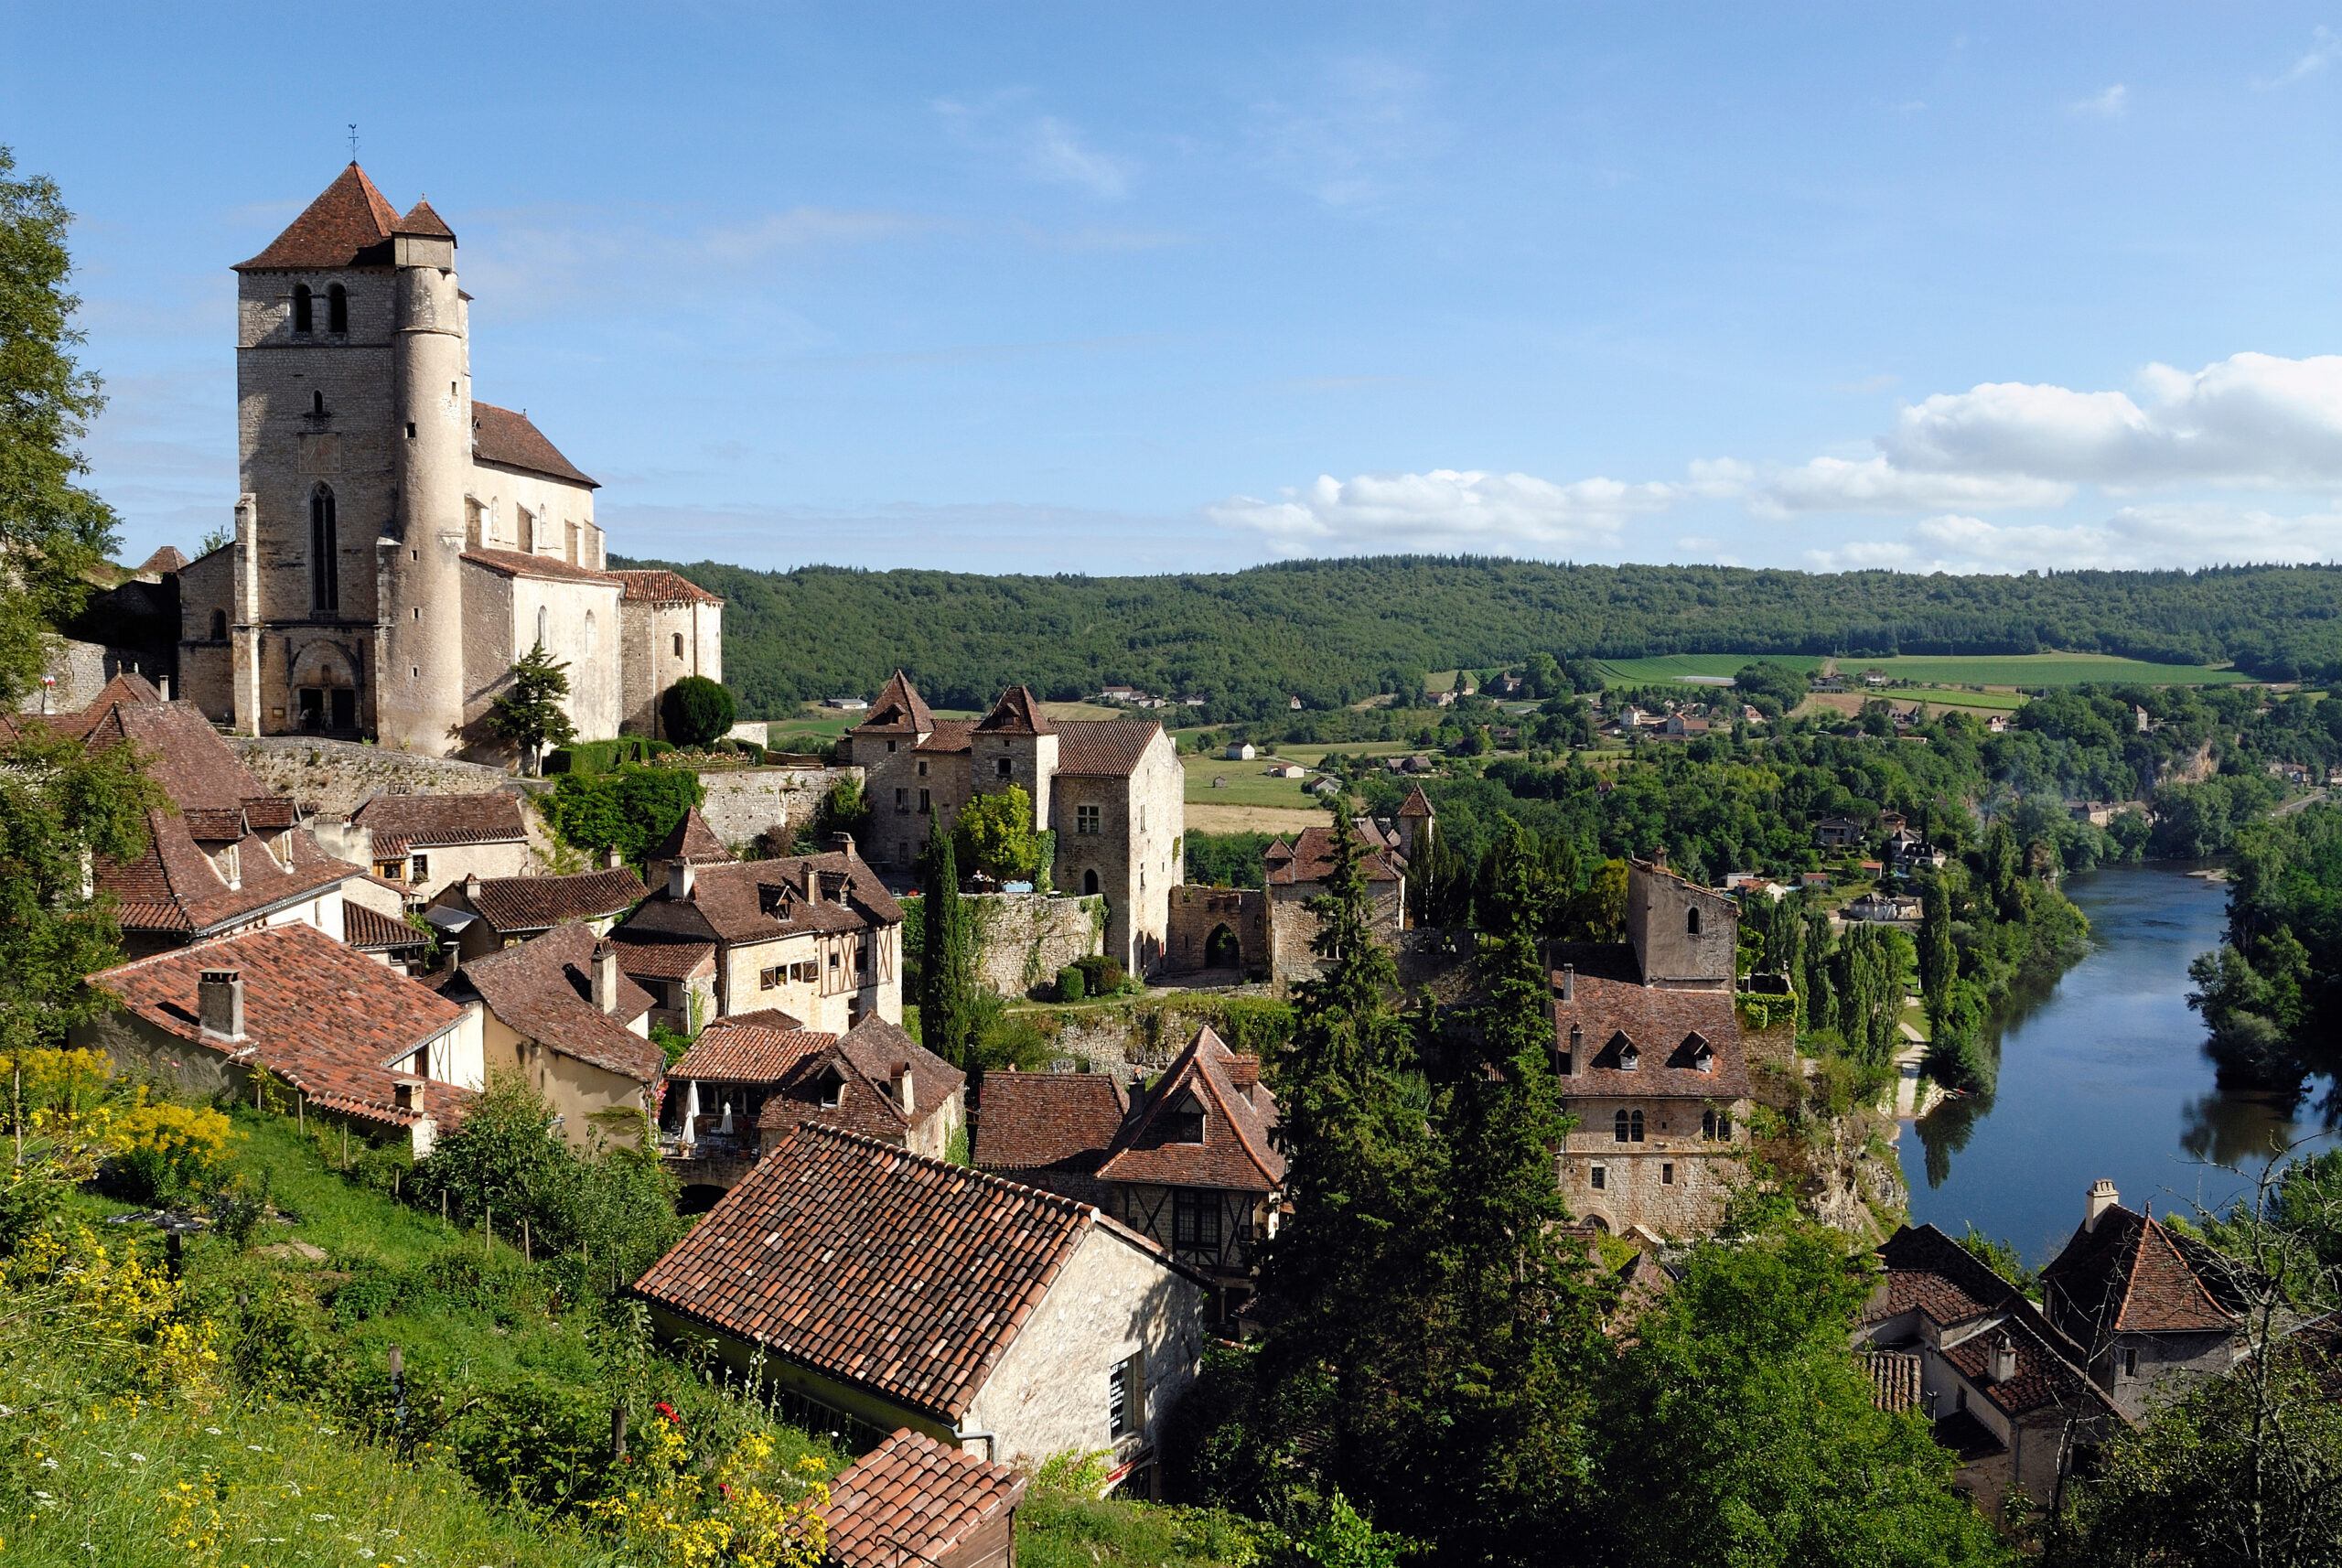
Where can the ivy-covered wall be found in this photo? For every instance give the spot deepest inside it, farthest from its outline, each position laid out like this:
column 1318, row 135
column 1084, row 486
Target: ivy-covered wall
column 1024, row 939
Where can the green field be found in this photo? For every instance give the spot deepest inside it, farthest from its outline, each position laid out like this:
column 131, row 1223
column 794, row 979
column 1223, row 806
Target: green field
column 2013, row 670
column 1248, row 783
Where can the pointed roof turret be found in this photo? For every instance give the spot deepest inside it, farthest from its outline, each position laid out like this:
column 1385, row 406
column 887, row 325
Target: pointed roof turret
column 899, row 709
column 1416, row 804
column 1018, row 712
column 691, row 839
column 422, row 221
column 348, row 225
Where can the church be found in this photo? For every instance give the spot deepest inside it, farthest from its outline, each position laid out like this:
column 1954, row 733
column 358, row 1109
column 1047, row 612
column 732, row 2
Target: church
column 398, row 544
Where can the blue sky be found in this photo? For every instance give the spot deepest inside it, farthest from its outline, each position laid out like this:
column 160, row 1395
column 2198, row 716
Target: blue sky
column 1123, row 289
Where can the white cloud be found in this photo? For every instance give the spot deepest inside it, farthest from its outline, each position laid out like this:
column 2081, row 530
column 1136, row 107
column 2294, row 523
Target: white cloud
column 2111, row 104
column 1447, row 511
column 1054, row 152
column 2325, row 47
column 2251, row 421
column 2184, row 535
column 1043, row 146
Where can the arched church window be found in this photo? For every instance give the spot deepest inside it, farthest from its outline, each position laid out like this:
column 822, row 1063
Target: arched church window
column 337, row 310
column 589, row 633
column 541, row 626
column 1692, row 921
column 679, row 644
column 324, row 553
column 1635, row 1126
column 304, row 313
column 1618, row 1127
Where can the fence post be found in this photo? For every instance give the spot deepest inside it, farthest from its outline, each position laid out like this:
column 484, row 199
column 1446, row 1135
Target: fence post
column 490, row 1243
column 617, row 1431
column 527, row 1255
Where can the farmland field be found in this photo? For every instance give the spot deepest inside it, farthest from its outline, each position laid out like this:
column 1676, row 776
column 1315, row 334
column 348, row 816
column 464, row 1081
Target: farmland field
column 1247, row 784
column 2013, row 670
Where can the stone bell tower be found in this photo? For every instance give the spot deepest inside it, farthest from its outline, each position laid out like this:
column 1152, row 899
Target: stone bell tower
column 420, row 554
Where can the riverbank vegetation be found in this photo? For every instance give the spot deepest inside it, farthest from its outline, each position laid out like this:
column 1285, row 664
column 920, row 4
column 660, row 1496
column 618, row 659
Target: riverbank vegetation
column 2271, row 994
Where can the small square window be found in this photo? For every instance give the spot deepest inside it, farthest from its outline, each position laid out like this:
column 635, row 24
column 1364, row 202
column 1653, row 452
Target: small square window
column 1666, row 1173
column 1002, row 768
column 1085, row 818
column 1601, row 1178
column 2130, row 1363
column 422, row 864
column 903, row 801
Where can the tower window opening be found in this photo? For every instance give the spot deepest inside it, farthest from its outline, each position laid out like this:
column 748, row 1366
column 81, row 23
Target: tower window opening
column 317, row 402
column 337, row 310
column 324, row 553
column 1691, row 922
column 679, row 644
column 219, row 626
column 304, row 309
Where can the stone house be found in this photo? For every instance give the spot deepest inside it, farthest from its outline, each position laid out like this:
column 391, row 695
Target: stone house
column 555, row 1010
column 750, row 1077
column 1112, row 791
column 482, row 914
column 2148, row 1309
column 1219, row 928
column 353, row 1039
column 422, row 842
column 231, row 857
column 2002, row 1387
column 398, row 543
column 913, row 1499
column 883, row 1289
column 816, row 936
column 1648, row 1044
column 1836, row 833
column 386, row 939
column 668, row 627
column 1296, row 873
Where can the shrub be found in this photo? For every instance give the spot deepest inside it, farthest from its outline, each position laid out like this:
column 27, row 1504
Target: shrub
column 165, row 1151
column 629, row 810
column 1071, row 986
column 695, row 710
column 1103, row 974
column 605, row 756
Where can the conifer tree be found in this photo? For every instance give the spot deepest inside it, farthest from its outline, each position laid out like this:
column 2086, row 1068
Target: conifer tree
column 529, row 712
column 947, row 1014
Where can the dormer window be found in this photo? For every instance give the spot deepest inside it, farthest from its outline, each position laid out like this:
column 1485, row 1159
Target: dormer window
column 303, row 308
column 1183, row 1123
column 1630, row 1058
column 832, row 1090
column 1704, row 1055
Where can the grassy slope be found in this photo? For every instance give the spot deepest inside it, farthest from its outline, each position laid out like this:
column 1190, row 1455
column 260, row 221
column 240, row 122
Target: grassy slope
column 1248, row 784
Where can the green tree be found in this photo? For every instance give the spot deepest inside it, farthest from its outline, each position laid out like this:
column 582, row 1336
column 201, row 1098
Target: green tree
column 696, row 711
column 946, row 1003
column 53, row 532
column 994, row 835
column 1938, row 961
column 528, row 711
column 629, row 809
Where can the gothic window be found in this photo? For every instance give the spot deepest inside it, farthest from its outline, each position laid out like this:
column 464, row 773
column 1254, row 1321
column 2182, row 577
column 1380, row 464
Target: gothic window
column 541, row 626
column 1620, row 1127
column 219, row 626
column 1635, row 1126
column 1692, row 921
column 324, row 553
column 679, row 644
column 337, row 310
column 304, row 313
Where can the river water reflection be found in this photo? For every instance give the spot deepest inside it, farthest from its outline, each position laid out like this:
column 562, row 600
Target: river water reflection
column 2103, row 1074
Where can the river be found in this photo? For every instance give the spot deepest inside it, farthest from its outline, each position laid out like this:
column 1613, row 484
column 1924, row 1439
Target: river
column 2102, row 1073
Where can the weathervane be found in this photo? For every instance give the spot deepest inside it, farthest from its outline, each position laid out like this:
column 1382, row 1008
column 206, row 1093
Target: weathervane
column 353, row 141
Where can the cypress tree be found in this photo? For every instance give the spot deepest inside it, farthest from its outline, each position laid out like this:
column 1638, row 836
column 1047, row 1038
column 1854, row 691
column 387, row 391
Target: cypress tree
column 1938, row 963
column 946, row 1003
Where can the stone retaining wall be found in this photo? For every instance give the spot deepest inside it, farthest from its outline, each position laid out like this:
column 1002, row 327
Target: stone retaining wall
column 743, row 803
column 1026, row 937
column 339, row 776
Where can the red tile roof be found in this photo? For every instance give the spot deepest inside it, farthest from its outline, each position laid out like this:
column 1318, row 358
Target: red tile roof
column 1310, row 858
column 649, row 958
column 427, row 821
column 543, row 989
column 750, row 1048
column 176, row 887
column 912, row 1499
column 373, row 931
column 331, row 1021
column 167, row 559
column 505, row 437
column 1104, row 748
column 692, row 840
column 515, row 904
column 1895, row 1380
column 422, row 221
column 869, row 1264
column 1018, row 712
column 2128, row 1275
column 348, row 225
column 1236, row 1153
column 548, row 568
column 949, row 735
column 760, row 900
column 661, row 588
column 1417, row 803
column 1665, row 1027
column 1037, row 1121
column 899, row 710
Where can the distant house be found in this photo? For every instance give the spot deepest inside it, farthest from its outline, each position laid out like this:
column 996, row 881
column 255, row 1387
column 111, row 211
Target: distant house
column 1874, row 677
column 1814, row 879
column 914, row 1501
column 1443, row 699
column 1119, row 694
column 897, row 1291
column 1325, row 787
column 424, row 842
column 1998, row 724
column 749, row 1078
column 1829, row 682
column 484, row 914
column 1296, row 873
column 1881, row 907
column 847, row 704
column 1678, row 724
column 1288, row 770
column 1239, row 751
column 1836, row 833
column 1294, row 703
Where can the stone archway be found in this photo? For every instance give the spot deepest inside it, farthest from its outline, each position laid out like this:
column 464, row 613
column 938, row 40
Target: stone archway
column 325, row 683
column 1222, row 949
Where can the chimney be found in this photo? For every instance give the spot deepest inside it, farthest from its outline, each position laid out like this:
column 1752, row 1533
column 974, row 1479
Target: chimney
column 905, row 1096
column 612, row 860
column 471, row 891
column 606, row 977
column 2102, row 1196
column 2005, row 1360
column 407, row 1094
column 163, row 687
column 679, row 880
column 1568, row 983
column 841, row 843
column 1658, row 858
column 219, row 1002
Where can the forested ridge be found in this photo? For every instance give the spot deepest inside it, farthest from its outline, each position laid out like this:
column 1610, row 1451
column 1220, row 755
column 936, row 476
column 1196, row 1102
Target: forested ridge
column 1336, row 631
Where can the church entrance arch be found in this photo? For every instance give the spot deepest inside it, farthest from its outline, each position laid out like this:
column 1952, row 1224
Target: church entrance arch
column 325, row 689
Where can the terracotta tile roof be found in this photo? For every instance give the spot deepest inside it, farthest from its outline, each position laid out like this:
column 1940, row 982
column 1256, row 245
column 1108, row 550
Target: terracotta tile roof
column 949, row 735
column 2046, row 1374
column 337, row 1025
column 862, row 1064
column 427, row 821
column 912, row 1499
column 879, row 1049
column 183, row 753
column 899, row 710
column 166, row 559
column 661, row 588
column 127, row 687
column 175, row 886
column 1310, row 858
column 1236, row 1154
column 422, row 221
column 1038, row 1121
column 1665, row 1027
column 692, row 840
column 1104, row 748
column 1018, row 712
column 348, row 225
column 872, row 1264
column 1894, row 1378
column 750, row 1048
column 1416, row 804
column 2128, row 1275
column 515, row 904
column 1929, row 1271
column 758, row 900
column 544, row 989
column 371, row 930
column 549, row 568
column 505, row 437
column 649, row 958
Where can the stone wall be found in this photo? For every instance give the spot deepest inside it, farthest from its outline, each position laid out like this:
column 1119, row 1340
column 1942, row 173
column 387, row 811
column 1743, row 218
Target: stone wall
column 80, row 671
column 1196, row 914
column 1026, row 937
column 339, row 776
column 742, row 802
